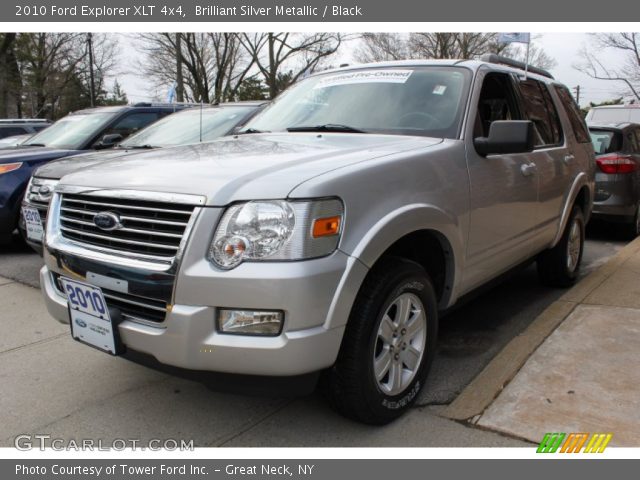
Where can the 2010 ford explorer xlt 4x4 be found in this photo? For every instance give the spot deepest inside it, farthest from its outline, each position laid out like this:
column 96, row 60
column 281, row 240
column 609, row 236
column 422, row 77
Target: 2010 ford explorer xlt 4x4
column 329, row 234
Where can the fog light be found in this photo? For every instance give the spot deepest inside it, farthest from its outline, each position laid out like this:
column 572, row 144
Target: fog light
column 250, row 322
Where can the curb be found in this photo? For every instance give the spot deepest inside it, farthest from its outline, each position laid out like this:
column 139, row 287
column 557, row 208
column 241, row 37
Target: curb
column 483, row 389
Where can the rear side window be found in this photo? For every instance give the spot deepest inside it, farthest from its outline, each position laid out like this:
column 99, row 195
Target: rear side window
column 606, row 141
column 574, row 114
column 539, row 108
column 11, row 131
column 133, row 122
column 632, row 139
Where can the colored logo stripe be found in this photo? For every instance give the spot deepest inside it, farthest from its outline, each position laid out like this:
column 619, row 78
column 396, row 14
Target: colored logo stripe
column 550, row 443
column 574, row 442
column 598, row 443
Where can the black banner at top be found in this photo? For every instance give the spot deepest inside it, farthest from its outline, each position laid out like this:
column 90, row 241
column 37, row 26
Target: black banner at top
column 317, row 11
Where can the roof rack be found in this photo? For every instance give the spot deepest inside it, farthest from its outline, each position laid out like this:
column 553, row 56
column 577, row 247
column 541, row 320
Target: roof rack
column 156, row 104
column 24, row 120
column 497, row 59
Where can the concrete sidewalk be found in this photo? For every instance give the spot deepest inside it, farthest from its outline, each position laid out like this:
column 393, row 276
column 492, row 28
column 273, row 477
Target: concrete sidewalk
column 52, row 385
column 575, row 369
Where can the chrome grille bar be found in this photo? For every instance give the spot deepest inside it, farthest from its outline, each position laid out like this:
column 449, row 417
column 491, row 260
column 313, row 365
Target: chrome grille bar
column 146, row 227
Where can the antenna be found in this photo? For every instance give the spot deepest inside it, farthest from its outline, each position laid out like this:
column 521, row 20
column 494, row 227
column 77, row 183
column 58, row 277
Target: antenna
column 201, row 107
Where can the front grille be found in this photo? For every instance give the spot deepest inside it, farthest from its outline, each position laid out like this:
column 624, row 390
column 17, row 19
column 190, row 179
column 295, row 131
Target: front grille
column 148, row 227
column 131, row 307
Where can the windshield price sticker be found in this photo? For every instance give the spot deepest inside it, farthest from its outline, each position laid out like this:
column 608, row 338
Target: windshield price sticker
column 371, row 76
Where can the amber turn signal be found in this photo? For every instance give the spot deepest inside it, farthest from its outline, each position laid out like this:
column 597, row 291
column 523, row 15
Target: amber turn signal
column 325, row 227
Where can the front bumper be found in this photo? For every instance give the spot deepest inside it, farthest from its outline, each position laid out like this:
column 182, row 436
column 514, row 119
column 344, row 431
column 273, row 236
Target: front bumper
column 188, row 337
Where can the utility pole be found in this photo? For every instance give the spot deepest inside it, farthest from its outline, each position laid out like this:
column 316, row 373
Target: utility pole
column 577, row 90
column 179, row 79
column 92, row 86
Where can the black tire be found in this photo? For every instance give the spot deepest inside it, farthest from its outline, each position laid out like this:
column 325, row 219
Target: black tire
column 352, row 387
column 554, row 268
column 632, row 229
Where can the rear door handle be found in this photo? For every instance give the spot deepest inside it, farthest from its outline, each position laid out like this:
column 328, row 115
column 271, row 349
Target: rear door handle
column 528, row 169
column 567, row 158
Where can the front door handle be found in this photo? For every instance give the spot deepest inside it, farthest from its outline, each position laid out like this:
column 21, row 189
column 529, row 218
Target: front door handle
column 567, row 158
column 528, row 169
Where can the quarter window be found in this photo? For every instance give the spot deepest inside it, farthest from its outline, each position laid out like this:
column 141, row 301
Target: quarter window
column 573, row 112
column 539, row 108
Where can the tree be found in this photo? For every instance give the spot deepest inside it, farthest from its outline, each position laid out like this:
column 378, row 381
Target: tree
column 10, row 82
column 299, row 53
column 117, row 96
column 381, row 47
column 537, row 56
column 595, row 66
column 212, row 65
column 461, row 45
column 52, row 62
column 252, row 89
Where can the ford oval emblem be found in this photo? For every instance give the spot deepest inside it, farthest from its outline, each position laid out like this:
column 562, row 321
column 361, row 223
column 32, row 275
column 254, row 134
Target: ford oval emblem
column 107, row 221
column 81, row 323
column 44, row 190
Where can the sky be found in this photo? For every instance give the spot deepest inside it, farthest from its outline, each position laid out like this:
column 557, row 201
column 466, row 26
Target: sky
column 563, row 47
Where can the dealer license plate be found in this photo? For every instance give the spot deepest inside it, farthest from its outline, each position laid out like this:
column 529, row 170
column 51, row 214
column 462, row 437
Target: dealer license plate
column 89, row 315
column 33, row 224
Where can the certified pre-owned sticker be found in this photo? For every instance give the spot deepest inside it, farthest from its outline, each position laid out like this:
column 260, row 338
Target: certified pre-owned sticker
column 367, row 76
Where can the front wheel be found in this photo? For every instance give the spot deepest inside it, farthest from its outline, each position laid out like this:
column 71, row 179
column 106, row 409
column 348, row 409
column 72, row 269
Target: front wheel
column 389, row 344
column 560, row 265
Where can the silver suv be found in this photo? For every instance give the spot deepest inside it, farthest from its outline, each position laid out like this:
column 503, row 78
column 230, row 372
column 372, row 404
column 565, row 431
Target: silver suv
column 328, row 235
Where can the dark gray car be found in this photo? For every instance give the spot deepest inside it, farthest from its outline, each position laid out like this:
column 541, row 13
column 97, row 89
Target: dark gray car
column 617, row 194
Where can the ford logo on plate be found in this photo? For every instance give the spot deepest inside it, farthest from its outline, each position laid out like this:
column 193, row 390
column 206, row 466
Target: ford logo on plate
column 107, row 221
column 81, row 323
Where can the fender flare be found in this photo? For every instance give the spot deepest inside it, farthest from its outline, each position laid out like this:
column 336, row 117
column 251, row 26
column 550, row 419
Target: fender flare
column 581, row 180
column 384, row 233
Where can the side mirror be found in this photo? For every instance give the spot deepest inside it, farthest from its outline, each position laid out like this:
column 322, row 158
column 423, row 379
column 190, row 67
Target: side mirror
column 109, row 141
column 506, row 136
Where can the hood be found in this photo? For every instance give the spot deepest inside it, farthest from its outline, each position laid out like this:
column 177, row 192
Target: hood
column 64, row 166
column 33, row 154
column 244, row 167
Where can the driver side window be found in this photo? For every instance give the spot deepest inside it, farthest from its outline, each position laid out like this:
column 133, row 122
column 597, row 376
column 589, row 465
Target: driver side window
column 497, row 102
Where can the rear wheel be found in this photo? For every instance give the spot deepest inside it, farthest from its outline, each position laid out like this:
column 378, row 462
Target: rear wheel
column 388, row 346
column 559, row 266
column 632, row 229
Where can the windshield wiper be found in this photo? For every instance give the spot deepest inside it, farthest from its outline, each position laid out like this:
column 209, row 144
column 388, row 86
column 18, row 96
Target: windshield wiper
column 251, row 130
column 32, row 145
column 146, row 146
column 327, row 127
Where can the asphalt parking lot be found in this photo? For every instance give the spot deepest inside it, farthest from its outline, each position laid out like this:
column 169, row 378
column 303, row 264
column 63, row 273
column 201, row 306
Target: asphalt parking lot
column 53, row 385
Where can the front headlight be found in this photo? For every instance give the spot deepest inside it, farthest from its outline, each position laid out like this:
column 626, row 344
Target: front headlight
column 276, row 230
column 40, row 190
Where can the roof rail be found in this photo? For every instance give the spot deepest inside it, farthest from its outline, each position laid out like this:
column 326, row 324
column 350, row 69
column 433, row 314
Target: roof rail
column 493, row 58
column 24, row 120
column 160, row 104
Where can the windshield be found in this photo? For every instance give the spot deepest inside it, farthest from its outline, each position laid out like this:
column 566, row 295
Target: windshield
column 184, row 128
column 614, row 115
column 425, row 101
column 71, row 132
column 605, row 141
